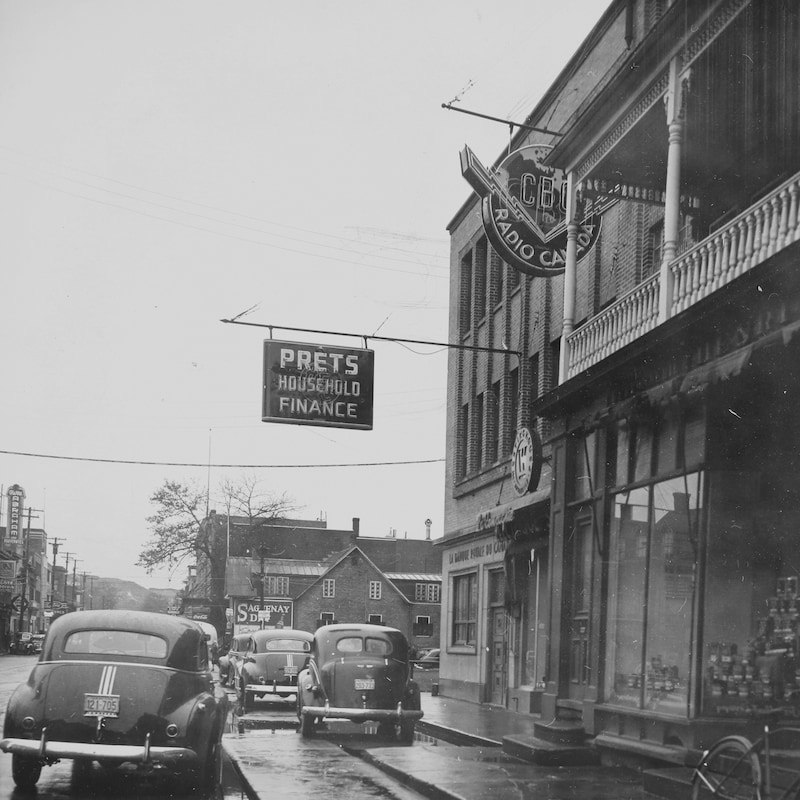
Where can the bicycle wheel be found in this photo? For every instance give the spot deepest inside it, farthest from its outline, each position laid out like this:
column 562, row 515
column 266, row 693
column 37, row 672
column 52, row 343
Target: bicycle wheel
column 730, row 770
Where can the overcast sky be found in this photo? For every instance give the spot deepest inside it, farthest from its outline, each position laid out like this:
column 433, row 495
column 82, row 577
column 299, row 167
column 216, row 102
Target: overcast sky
column 168, row 163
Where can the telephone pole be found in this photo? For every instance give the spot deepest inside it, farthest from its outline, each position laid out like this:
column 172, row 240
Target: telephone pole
column 54, row 544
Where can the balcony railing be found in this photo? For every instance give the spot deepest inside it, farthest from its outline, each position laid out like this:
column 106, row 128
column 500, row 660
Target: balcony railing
column 746, row 241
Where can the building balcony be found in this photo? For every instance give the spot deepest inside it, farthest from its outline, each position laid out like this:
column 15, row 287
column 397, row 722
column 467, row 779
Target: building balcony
column 749, row 239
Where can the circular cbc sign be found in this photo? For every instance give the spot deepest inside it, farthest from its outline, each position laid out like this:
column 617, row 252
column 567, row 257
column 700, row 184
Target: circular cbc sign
column 526, row 460
column 524, row 210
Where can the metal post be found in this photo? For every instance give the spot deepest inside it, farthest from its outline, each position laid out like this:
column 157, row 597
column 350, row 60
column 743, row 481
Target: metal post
column 22, row 601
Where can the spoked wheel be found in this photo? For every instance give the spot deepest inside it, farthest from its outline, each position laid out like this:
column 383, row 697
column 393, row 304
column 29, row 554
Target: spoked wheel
column 730, row 770
column 25, row 770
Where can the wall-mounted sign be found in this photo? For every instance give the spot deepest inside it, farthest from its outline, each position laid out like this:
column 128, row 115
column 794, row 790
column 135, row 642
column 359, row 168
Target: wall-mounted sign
column 16, row 500
column 8, row 576
column 316, row 384
column 524, row 210
column 526, row 460
column 251, row 615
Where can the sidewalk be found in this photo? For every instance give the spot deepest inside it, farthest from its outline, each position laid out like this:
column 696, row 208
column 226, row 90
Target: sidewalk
column 476, row 769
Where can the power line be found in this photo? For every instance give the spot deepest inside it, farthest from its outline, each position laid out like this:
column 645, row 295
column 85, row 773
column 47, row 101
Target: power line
column 206, row 465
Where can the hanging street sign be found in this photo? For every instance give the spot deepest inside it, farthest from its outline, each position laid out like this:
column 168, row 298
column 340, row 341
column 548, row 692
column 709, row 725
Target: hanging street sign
column 523, row 209
column 316, row 384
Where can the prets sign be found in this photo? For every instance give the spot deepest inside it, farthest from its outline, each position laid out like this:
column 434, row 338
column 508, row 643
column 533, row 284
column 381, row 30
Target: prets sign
column 524, row 210
column 315, row 384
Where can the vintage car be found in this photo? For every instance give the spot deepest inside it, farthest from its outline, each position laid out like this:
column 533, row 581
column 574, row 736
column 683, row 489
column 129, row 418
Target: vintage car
column 272, row 661
column 119, row 687
column 230, row 661
column 360, row 673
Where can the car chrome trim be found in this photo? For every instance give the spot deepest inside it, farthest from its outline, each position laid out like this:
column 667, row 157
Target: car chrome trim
column 360, row 714
column 105, row 752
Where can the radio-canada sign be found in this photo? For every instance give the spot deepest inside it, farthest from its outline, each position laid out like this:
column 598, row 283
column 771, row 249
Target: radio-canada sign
column 315, row 384
column 523, row 209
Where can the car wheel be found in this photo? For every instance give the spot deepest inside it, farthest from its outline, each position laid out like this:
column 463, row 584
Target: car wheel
column 211, row 770
column 308, row 726
column 407, row 730
column 25, row 770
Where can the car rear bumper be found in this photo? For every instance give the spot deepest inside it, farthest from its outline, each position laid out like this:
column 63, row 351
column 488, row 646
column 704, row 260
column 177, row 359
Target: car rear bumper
column 271, row 688
column 112, row 753
column 361, row 714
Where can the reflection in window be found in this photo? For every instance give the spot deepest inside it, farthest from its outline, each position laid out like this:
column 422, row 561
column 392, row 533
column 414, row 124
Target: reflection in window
column 651, row 594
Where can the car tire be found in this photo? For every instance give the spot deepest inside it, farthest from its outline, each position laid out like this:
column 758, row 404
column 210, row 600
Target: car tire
column 210, row 776
column 407, row 727
column 25, row 770
column 308, row 726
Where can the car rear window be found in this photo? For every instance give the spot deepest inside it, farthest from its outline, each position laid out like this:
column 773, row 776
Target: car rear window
column 110, row 642
column 291, row 645
column 369, row 644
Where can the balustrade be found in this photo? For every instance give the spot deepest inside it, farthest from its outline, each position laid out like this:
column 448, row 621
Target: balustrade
column 742, row 244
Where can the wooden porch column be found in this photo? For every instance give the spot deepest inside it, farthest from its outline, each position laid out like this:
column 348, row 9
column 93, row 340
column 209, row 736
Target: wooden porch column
column 672, row 203
column 570, row 280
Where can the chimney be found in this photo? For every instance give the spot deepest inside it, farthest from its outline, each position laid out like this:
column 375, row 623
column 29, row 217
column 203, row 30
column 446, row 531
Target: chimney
column 681, row 502
column 356, row 525
column 428, row 524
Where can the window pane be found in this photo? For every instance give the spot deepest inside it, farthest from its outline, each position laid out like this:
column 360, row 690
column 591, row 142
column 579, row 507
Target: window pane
column 670, row 593
column 629, row 531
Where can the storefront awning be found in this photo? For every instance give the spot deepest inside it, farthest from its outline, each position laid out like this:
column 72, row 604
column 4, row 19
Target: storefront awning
column 503, row 514
column 720, row 369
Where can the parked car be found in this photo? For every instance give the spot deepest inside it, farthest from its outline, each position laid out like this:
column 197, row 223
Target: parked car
column 231, row 660
column 430, row 660
column 22, row 645
column 119, row 687
column 212, row 639
column 38, row 642
column 360, row 673
column 271, row 664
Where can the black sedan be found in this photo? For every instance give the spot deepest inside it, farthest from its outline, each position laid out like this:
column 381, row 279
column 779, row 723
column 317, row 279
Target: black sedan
column 119, row 687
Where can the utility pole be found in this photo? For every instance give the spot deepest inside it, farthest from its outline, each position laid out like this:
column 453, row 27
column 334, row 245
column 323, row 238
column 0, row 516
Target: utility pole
column 66, row 574
column 22, row 599
column 262, row 551
column 74, row 567
column 54, row 544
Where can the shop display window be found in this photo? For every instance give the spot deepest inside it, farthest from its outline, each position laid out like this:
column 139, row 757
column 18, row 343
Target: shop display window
column 751, row 620
column 654, row 534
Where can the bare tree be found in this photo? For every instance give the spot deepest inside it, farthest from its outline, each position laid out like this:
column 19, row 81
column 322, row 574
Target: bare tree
column 183, row 530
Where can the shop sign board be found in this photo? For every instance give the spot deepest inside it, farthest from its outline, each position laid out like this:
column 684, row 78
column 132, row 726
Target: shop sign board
column 251, row 614
column 316, row 384
column 16, row 499
column 523, row 208
column 8, row 572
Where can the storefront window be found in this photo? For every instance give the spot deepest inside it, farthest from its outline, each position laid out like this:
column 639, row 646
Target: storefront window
column 752, row 603
column 651, row 594
column 465, row 609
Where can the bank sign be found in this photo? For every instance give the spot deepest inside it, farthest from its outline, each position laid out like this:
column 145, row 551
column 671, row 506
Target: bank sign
column 523, row 208
column 248, row 615
column 315, row 384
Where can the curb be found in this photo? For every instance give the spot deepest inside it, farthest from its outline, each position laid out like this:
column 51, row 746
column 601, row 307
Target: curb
column 429, row 790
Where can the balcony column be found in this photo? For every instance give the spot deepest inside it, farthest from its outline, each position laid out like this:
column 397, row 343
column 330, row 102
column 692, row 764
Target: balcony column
column 674, row 101
column 570, row 280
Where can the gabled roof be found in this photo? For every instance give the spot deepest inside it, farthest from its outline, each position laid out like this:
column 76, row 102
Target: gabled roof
column 334, row 564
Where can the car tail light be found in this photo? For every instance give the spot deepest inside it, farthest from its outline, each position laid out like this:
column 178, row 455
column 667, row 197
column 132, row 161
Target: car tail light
column 261, row 679
column 172, row 730
column 28, row 723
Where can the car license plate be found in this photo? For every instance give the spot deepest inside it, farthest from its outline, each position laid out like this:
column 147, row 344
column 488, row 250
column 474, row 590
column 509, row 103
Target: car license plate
column 290, row 671
column 100, row 705
column 365, row 683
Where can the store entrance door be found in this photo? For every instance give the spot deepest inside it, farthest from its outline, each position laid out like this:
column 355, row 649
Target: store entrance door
column 579, row 596
column 497, row 653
